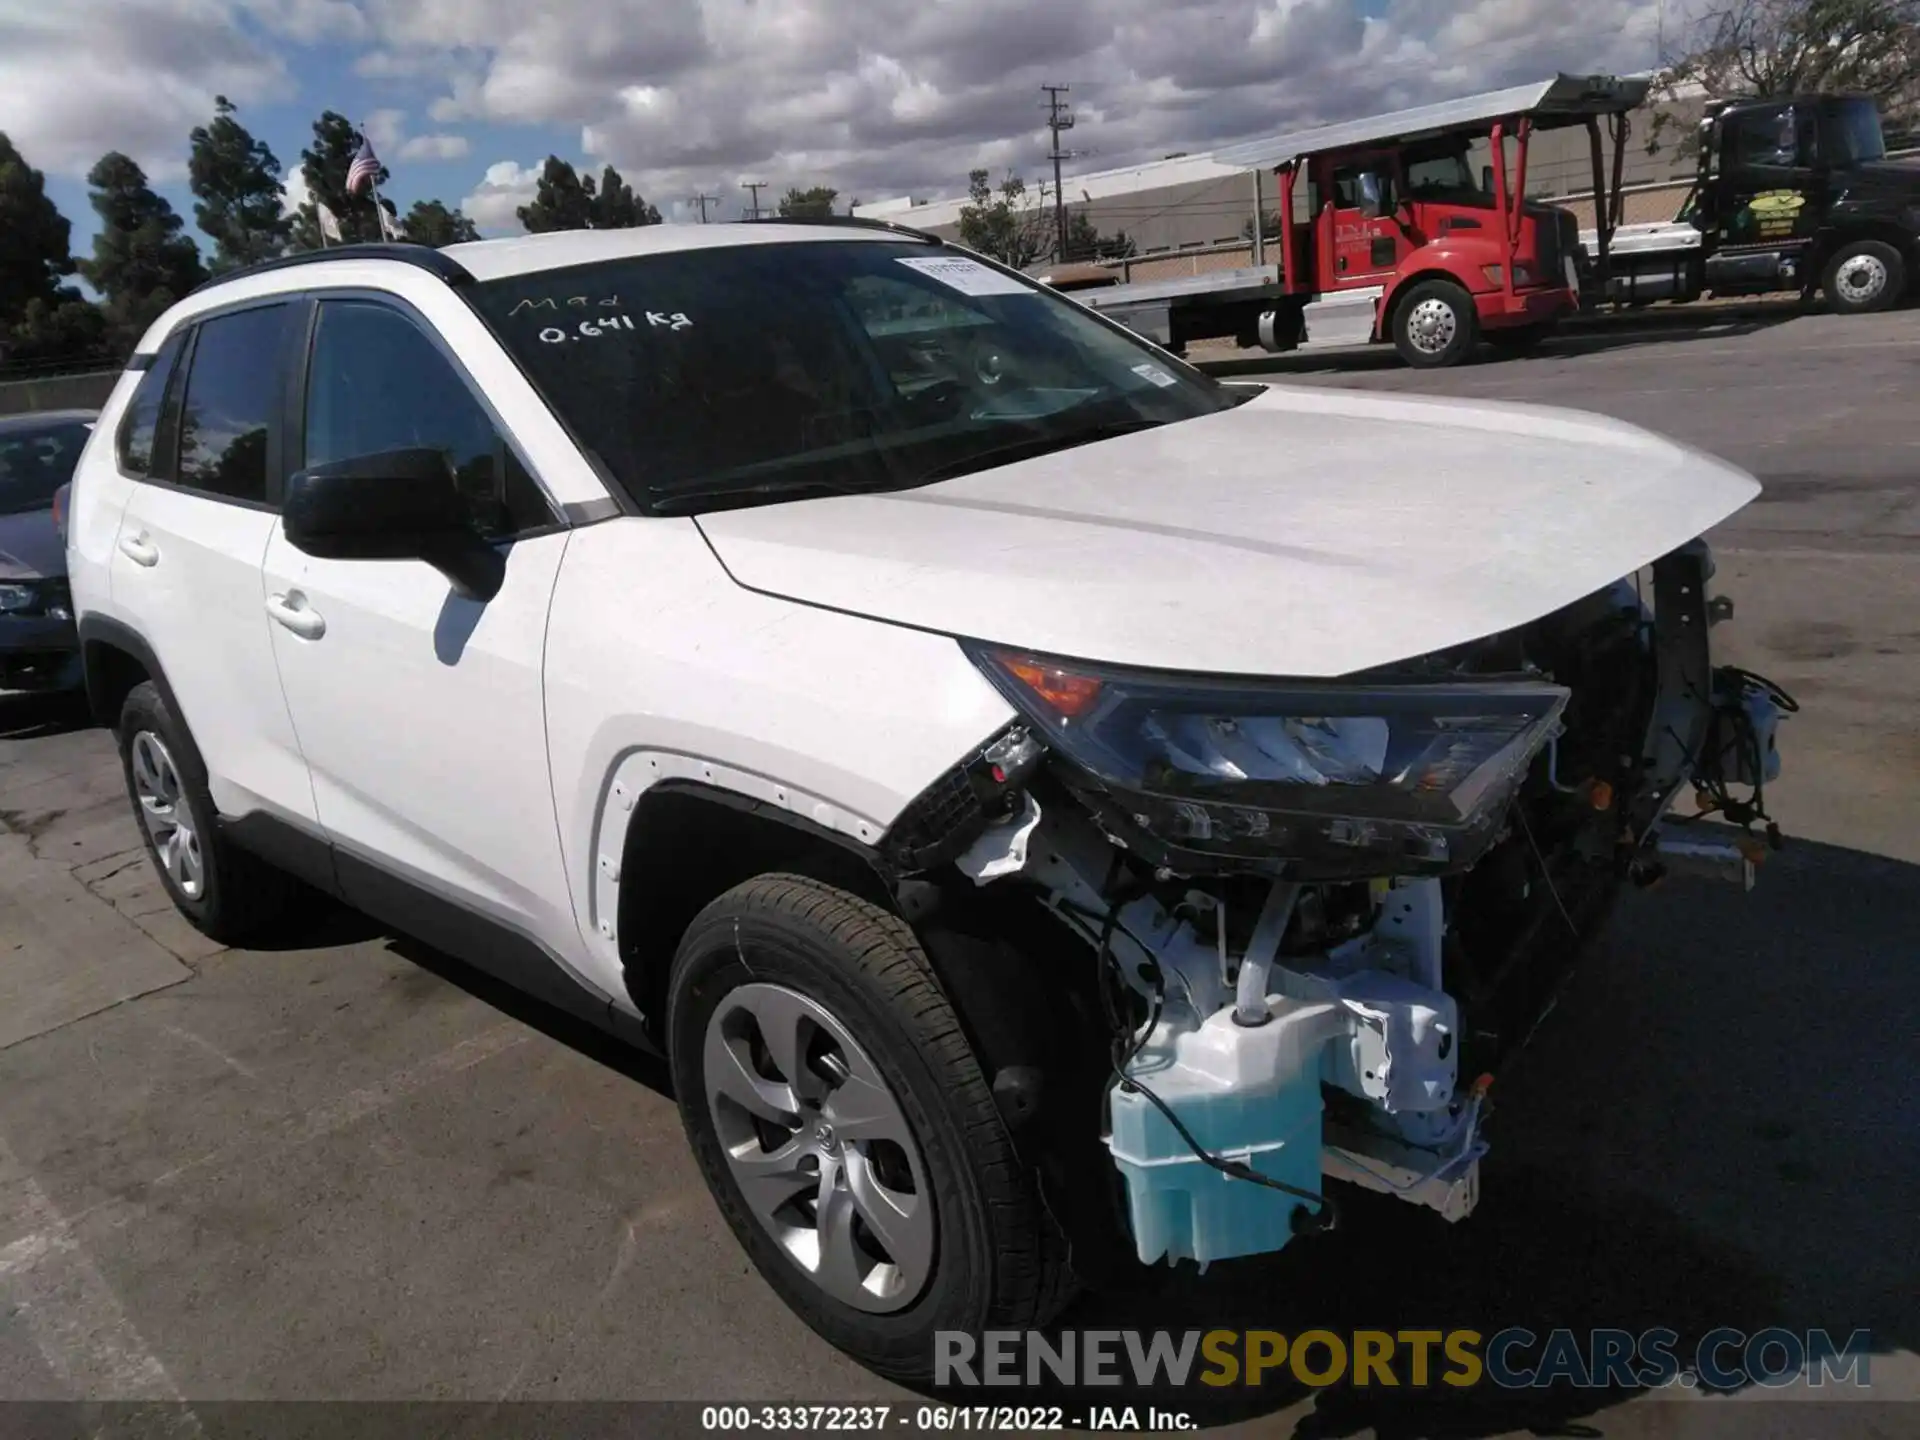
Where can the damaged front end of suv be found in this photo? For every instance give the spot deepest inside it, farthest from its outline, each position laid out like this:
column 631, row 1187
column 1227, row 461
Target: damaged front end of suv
column 1277, row 933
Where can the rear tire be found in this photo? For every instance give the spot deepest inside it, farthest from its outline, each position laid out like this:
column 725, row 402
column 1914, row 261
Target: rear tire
column 1435, row 325
column 225, row 893
column 795, row 1009
column 1865, row 276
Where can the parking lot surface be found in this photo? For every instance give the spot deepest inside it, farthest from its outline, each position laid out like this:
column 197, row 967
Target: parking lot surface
column 353, row 1169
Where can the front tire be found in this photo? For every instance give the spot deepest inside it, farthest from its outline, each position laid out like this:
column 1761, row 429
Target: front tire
column 1435, row 325
column 225, row 893
column 845, row 1129
column 1865, row 276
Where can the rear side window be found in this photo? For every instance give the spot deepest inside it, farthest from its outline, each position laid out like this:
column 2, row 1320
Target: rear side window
column 134, row 447
column 376, row 382
column 234, row 390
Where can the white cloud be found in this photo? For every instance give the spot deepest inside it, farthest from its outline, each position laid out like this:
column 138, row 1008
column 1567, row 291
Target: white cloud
column 81, row 77
column 385, row 127
column 506, row 186
column 435, row 147
column 294, row 193
column 310, row 20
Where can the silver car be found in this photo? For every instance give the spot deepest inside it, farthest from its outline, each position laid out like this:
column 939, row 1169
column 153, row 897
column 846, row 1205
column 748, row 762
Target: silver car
column 39, row 647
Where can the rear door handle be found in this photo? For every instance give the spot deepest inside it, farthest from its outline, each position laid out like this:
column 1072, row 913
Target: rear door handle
column 136, row 549
column 291, row 611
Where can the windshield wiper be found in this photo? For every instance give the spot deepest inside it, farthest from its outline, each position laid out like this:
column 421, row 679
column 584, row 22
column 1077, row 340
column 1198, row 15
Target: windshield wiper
column 1032, row 446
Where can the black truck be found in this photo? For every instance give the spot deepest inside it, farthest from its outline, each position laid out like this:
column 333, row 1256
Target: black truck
column 1793, row 194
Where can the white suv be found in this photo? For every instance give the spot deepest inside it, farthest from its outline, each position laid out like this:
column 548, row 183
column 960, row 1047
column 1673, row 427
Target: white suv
column 1040, row 799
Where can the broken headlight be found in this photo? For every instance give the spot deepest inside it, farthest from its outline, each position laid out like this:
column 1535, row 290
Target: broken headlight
column 1335, row 779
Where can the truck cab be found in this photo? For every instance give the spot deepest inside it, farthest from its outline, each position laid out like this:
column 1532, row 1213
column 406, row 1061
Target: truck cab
column 1793, row 193
column 1388, row 217
column 1799, row 192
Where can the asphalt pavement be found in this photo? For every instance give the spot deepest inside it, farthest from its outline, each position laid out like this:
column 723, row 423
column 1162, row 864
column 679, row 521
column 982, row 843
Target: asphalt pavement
column 355, row 1170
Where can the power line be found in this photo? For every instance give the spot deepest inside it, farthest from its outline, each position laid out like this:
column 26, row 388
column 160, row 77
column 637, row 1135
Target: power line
column 756, row 186
column 703, row 201
column 1059, row 118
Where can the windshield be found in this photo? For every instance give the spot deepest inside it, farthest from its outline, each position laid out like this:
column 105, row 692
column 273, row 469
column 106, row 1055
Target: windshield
column 35, row 461
column 1850, row 133
column 754, row 373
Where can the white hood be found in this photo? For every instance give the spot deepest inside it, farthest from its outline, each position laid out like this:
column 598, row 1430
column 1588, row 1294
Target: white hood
column 1309, row 532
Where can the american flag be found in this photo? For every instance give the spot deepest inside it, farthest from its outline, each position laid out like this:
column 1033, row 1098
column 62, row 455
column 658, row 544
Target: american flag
column 365, row 170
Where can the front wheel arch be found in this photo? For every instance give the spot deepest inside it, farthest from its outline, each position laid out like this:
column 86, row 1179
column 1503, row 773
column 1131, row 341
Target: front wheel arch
column 688, row 843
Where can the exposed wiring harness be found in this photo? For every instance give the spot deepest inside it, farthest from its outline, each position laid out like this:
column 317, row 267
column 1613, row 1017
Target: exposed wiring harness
column 1731, row 730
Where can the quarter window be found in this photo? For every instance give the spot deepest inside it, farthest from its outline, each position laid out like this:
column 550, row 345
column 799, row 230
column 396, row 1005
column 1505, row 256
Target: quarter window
column 135, row 448
column 376, row 383
column 233, row 391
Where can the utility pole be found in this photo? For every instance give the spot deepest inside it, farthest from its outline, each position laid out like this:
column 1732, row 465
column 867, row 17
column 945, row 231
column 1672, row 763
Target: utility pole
column 1059, row 118
column 756, row 186
column 703, row 201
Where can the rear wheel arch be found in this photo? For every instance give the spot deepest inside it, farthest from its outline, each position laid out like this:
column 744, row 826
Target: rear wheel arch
column 114, row 659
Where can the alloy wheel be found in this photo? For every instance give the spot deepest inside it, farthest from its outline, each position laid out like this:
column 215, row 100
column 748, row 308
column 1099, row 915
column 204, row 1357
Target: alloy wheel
column 163, row 809
column 1432, row 326
column 1861, row 278
column 818, row 1144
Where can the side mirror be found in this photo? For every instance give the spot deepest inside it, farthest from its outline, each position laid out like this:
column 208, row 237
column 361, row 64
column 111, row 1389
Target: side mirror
column 396, row 505
column 1486, row 179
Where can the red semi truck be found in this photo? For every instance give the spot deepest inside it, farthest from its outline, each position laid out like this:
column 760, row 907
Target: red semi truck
column 1385, row 232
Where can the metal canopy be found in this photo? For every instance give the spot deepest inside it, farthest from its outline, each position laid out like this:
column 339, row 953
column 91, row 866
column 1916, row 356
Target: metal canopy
column 1563, row 100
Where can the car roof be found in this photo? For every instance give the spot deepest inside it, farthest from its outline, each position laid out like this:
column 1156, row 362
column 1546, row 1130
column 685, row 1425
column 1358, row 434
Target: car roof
column 561, row 249
column 42, row 419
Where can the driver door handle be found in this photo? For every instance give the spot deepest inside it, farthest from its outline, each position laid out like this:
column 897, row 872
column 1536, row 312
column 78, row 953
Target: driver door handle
column 291, row 611
column 136, row 549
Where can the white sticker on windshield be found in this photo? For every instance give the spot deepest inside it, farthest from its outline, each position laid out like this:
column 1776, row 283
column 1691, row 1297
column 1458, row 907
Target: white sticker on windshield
column 969, row 277
column 1154, row 374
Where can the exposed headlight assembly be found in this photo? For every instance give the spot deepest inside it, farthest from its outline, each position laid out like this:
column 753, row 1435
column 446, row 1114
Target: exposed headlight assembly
column 1315, row 779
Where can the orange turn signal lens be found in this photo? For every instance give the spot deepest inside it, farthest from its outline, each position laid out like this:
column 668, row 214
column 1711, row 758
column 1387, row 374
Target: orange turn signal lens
column 1067, row 694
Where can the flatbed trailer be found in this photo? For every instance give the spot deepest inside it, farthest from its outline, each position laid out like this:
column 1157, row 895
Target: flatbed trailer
column 1399, row 240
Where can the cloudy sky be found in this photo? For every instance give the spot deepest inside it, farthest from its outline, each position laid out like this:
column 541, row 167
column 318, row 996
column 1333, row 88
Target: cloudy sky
column 464, row 98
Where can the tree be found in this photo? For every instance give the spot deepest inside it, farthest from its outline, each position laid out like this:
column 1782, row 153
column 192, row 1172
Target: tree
column 63, row 328
column 1004, row 224
column 1788, row 47
column 616, row 207
column 561, row 200
column 1085, row 242
column 237, row 191
column 430, row 222
column 35, row 238
column 814, row 202
column 141, row 262
column 324, row 164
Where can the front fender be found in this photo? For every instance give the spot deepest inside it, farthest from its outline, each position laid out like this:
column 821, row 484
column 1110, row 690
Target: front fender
column 1459, row 260
column 660, row 668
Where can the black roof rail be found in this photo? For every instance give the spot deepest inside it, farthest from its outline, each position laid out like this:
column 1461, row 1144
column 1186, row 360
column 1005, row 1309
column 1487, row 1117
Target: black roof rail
column 422, row 257
column 857, row 222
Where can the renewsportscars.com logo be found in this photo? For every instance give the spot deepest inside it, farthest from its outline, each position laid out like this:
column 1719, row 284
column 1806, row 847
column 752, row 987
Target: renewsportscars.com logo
column 1514, row 1358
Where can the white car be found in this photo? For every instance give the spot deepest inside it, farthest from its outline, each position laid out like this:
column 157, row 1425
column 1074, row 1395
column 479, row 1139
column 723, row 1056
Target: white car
column 1045, row 803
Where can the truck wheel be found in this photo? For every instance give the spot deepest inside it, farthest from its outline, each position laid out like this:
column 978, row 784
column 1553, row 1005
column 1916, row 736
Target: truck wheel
column 845, row 1129
column 1435, row 324
column 225, row 893
column 1865, row 276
